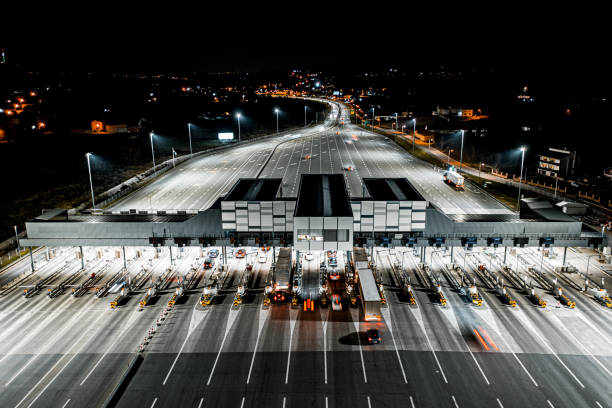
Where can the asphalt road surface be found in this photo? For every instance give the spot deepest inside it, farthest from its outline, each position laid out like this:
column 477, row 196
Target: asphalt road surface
column 329, row 148
column 70, row 351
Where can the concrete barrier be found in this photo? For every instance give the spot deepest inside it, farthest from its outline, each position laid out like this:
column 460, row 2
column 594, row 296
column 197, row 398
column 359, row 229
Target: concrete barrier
column 134, row 364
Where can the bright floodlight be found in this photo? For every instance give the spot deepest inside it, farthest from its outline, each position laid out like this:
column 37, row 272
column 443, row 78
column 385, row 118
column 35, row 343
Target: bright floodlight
column 151, row 134
column 87, row 154
column 523, row 148
column 238, row 115
column 276, row 110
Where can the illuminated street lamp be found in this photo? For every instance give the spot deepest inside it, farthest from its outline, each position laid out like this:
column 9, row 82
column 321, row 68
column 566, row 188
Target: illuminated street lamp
column 396, row 121
column 153, row 153
column 173, row 156
column 304, row 115
column 93, row 201
column 190, row 149
column 520, row 178
column 238, row 115
column 276, row 111
column 403, row 126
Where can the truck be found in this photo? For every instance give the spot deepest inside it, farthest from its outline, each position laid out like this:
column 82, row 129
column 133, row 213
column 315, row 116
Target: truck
column 370, row 297
column 281, row 277
column 454, row 178
column 360, row 258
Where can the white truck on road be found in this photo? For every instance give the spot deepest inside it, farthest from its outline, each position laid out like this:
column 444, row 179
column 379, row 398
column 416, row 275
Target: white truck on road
column 454, row 178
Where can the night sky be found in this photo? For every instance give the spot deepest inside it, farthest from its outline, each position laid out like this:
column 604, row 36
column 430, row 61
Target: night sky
column 177, row 38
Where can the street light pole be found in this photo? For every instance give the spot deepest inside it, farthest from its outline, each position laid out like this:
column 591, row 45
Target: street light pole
column 276, row 110
column 153, row 153
column 396, row 121
column 190, row 149
column 403, row 126
column 17, row 241
column 173, row 154
column 413, row 133
column 373, row 118
column 304, row 116
column 238, row 115
column 520, row 178
column 93, row 201
column 461, row 156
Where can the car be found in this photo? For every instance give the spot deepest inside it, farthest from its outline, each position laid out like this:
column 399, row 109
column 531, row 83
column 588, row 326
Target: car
column 331, row 254
column 213, row 253
column 262, row 259
column 336, row 302
column 373, row 336
column 241, row 253
column 307, row 157
column 334, row 274
column 208, row 263
column 332, row 262
column 309, row 256
column 265, row 248
column 349, row 168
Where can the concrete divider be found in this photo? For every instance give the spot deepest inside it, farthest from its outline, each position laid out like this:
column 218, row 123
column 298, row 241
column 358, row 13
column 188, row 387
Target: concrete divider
column 130, row 370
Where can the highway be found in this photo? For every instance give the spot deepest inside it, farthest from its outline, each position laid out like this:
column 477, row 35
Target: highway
column 68, row 351
column 328, row 148
column 197, row 183
column 74, row 351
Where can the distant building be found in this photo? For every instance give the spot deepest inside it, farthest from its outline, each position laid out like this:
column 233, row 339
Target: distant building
column 557, row 163
column 98, row 126
column 457, row 112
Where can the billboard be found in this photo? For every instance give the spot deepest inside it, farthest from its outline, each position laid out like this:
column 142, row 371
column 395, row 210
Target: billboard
column 226, row 136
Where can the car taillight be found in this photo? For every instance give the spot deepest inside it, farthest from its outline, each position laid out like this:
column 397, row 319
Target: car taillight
column 283, row 298
column 369, row 339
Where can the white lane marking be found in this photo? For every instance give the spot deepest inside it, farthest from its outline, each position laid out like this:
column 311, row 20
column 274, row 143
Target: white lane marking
column 284, row 401
column 551, row 349
column 120, row 336
column 173, row 363
column 500, row 404
column 201, row 402
column 230, row 321
column 411, row 402
column 292, row 322
column 598, row 404
column 154, row 402
column 178, row 354
column 429, row 343
column 369, row 403
column 550, row 403
column 387, row 316
column 51, row 340
column 327, row 402
column 586, row 350
column 479, row 368
column 356, row 323
column 52, row 368
column 455, row 401
column 242, row 403
column 261, row 322
column 66, row 403
column 325, row 346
